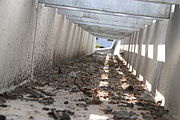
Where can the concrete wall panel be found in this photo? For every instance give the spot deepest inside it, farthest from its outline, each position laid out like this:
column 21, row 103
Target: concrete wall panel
column 44, row 41
column 33, row 38
column 56, row 40
column 17, row 31
column 170, row 78
column 157, row 59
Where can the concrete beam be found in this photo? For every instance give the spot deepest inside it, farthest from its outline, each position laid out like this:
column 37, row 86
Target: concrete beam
column 104, row 34
column 107, row 36
column 124, row 7
column 99, row 16
column 163, row 1
column 89, row 20
column 105, row 31
column 107, row 26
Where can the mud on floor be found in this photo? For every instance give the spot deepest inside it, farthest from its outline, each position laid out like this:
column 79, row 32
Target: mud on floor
column 96, row 87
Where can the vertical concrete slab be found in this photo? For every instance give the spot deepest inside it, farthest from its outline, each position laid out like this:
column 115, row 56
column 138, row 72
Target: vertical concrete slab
column 33, row 38
column 170, row 75
column 71, row 42
column 157, row 60
column 17, row 31
column 144, row 58
column 44, row 41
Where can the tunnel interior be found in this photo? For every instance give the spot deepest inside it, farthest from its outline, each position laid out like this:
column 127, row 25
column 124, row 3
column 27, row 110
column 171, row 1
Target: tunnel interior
column 89, row 59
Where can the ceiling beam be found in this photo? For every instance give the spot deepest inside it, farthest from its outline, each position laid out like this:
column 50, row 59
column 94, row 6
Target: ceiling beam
column 121, row 7
column 89, row 20
column 120, row 36
column 107, row 36
column 105, row 29
column 108, row 26
column 163, row 1
column 99, row 16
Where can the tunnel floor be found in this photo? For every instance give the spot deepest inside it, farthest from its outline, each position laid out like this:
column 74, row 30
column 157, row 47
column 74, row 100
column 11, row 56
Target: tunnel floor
column 96, row 87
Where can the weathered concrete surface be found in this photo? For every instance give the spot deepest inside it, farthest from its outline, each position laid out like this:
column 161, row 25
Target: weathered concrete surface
column 116, row 23
column 100, row 16
column 17, row 30
column 44, row 41
column 144, row 52
column 122, row 29
column 106, row 30
column 58, row 40
column 169, row 81
column 77, row 42
column 129, row 7
column 33, row 37
column 163, row 1
column 153, row 55
column 96, row 87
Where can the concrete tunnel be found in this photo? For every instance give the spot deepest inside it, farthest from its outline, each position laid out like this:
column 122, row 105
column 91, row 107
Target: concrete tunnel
column 38, row 34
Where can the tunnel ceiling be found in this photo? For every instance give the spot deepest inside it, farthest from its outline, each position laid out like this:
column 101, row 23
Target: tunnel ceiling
column 163, row 1
column 112, row 19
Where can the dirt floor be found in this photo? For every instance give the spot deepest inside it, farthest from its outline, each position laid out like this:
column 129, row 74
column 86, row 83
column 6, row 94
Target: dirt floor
column 96, row 87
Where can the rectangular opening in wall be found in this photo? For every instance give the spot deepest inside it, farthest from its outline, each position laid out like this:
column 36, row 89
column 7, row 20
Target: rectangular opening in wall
column 143, row 50
column 103, row 43
column 136, row 48
column 161, row 53
column 150, row 51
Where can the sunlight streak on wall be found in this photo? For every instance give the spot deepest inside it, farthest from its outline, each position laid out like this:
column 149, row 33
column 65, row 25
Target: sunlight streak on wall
column 98, row 117
column 141, row 78
column 160, row 97
column 149, row 86
column 143, row 50
column 150, row 51
column 136, row 49
column 161, row 53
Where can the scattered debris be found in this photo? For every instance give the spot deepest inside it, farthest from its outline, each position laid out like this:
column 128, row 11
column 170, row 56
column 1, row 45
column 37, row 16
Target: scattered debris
column 147, row 116
column 65, row 116
column 54, row 114
column 107, row 110
column 45, row 108
column 66, row 102
column 2, row 100
column 47, row 101
column 72, row 74
column 35, row 94
column 4, row 106
column 130, row 105
column 147, row 96
column 129, row 88
column 99, row 80
column 82, row 105
column 48, row 93
column 93, row 101
column 74, row 89
column 59, row 115
column 124, row 115
column 2, row 117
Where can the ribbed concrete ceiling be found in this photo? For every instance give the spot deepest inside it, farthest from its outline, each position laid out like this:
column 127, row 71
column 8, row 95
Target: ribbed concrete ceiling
column 113, row 19
column 104, row 17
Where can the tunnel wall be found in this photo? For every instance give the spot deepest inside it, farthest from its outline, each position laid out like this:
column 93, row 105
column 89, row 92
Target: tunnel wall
column 58, row 40
column 153, row 55
column 33, row 38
